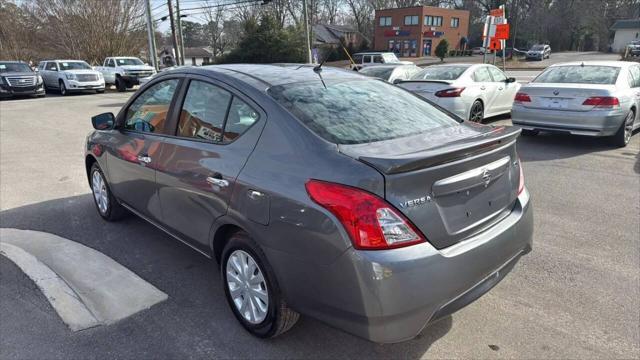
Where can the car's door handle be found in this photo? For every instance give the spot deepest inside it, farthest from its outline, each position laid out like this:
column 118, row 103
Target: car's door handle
column 144, row 159
column 500, row 88
column 482, row 88
column 217, row 180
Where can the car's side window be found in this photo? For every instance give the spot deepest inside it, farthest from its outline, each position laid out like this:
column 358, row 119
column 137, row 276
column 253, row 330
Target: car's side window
column 148, row 112
column 41, row 65
column 498, row 76
column 482, row 75
column 203, row 112
column 357, row 59
column 377, row 59
column 241, row 117
column 110, row 63
column 367, row 59
column 52, row 66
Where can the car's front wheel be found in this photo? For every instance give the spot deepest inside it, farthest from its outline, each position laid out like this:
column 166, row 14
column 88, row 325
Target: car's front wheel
column 623, row 136
column 120, row 85
column 252, row 290
column 63, row 89
column 108, row 207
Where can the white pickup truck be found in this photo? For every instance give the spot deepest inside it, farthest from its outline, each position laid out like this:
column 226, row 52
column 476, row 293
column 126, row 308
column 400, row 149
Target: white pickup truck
column 124, row 71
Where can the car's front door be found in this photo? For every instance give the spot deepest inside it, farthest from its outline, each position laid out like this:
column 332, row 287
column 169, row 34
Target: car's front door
column 634, row 84
column 214, row 137
column 50, row 76
column 136, row 148
column 486, row 87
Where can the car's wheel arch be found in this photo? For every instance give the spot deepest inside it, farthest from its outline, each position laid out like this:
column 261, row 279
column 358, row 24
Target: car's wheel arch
column 89, row 160
column 222, row 231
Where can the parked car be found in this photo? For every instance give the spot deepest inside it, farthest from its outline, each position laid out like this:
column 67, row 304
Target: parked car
column 471, row 91
column 634, row 48
column 593, row 98
column 124, row 72
column 478, row 50
column 18, row 79
column 321, row 192
column 365, row 59
column 539, row 52
column 391, row 73
column 69, row 76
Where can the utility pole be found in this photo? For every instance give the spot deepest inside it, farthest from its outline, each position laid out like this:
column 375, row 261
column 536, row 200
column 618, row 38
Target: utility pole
column 179, row 21
column 307, row 36
column 174, row 39
column 151, row 34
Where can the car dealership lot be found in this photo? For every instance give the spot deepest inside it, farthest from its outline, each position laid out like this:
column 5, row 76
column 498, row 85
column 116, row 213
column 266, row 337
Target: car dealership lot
column 576, row 295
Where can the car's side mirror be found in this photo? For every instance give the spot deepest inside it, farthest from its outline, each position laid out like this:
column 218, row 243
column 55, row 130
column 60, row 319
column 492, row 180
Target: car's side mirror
column 104, row 121
column 510, row 80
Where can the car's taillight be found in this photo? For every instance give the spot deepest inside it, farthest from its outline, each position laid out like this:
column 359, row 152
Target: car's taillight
column 371, row 222
column 522, row 97
column 521, row 181
column 453, row 92
column 602, row 101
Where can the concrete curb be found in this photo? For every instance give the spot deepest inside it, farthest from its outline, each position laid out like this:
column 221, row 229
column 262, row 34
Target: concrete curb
column 84, row 286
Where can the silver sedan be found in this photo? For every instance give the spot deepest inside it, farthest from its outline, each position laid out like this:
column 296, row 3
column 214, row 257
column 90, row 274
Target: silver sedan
column 582, row 98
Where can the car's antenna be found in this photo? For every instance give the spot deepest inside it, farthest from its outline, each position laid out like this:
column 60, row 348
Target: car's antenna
column 318, row 69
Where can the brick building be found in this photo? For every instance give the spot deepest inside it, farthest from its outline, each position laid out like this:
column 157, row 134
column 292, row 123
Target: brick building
column 416, row 31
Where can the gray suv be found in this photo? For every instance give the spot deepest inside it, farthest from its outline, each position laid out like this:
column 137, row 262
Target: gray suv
column 316, row 195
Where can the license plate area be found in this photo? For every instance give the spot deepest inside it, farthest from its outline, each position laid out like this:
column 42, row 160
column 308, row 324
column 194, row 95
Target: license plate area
column 555, row 103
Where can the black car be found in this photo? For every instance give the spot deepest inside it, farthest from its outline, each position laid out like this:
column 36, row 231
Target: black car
column 17, row 78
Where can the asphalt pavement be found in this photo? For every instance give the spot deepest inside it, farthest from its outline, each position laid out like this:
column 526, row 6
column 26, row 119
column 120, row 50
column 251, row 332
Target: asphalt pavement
column 576, row 295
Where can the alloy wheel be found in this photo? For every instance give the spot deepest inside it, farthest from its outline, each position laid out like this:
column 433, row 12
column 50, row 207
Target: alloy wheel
column 477, row 112
column 628, row 127
column 247, row 287
column 100, row 193
column 63, row 89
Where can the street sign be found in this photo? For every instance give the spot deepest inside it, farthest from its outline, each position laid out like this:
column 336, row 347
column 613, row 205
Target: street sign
column 496, row 12
column 502, row 31
column 495, row 44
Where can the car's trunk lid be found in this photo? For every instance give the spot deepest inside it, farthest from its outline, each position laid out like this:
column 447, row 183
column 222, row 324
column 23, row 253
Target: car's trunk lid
column 567, row 97
column 451, row 183
column 426, row 88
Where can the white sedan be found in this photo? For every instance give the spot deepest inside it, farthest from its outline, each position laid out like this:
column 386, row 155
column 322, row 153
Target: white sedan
column 471, row 91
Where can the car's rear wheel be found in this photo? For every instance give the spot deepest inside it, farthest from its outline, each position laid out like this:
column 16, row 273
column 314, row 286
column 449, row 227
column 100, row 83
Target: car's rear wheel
column 252, row 290
column 623, row 136
column 477, row 112
column 108, row 207
column 63, row 88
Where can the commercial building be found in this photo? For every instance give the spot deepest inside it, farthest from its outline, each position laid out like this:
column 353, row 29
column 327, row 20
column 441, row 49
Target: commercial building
column 416, row 31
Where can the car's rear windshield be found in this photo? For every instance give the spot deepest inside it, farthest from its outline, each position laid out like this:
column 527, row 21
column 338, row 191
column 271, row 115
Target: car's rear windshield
column 537, row 47
column 74, row 65
column 359, row 111
column 440, row 73
column 14, row 67
column 578, row 74
column 378, row 72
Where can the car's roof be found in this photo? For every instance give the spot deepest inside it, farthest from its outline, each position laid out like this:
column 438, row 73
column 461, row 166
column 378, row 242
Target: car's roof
column 12, row 62
column 374, row 53
column 261, row 76
column 63, row 60
column 596, row 63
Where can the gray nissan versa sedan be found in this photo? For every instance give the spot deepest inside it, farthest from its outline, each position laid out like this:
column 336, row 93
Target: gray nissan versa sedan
column 319, row 191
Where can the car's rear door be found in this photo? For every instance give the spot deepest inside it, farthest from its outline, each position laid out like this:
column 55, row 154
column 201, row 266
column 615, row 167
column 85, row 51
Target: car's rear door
column 212, row 140
column 135, row 150
column 488, row 90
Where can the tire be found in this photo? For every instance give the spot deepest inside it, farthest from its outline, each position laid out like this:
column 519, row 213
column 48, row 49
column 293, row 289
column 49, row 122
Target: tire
column 623, row 136
column 120, row 85
column 526, row 132
column 63, row 88
column 112, row 211
column 274, row 316
column 477, row 112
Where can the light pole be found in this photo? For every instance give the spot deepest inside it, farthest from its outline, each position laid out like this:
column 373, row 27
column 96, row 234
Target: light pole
column 307, row 36
column 151, row 34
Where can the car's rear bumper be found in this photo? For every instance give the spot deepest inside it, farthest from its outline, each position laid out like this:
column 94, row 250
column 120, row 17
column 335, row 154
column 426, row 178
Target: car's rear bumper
column 590, row 123
column 390, row 296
